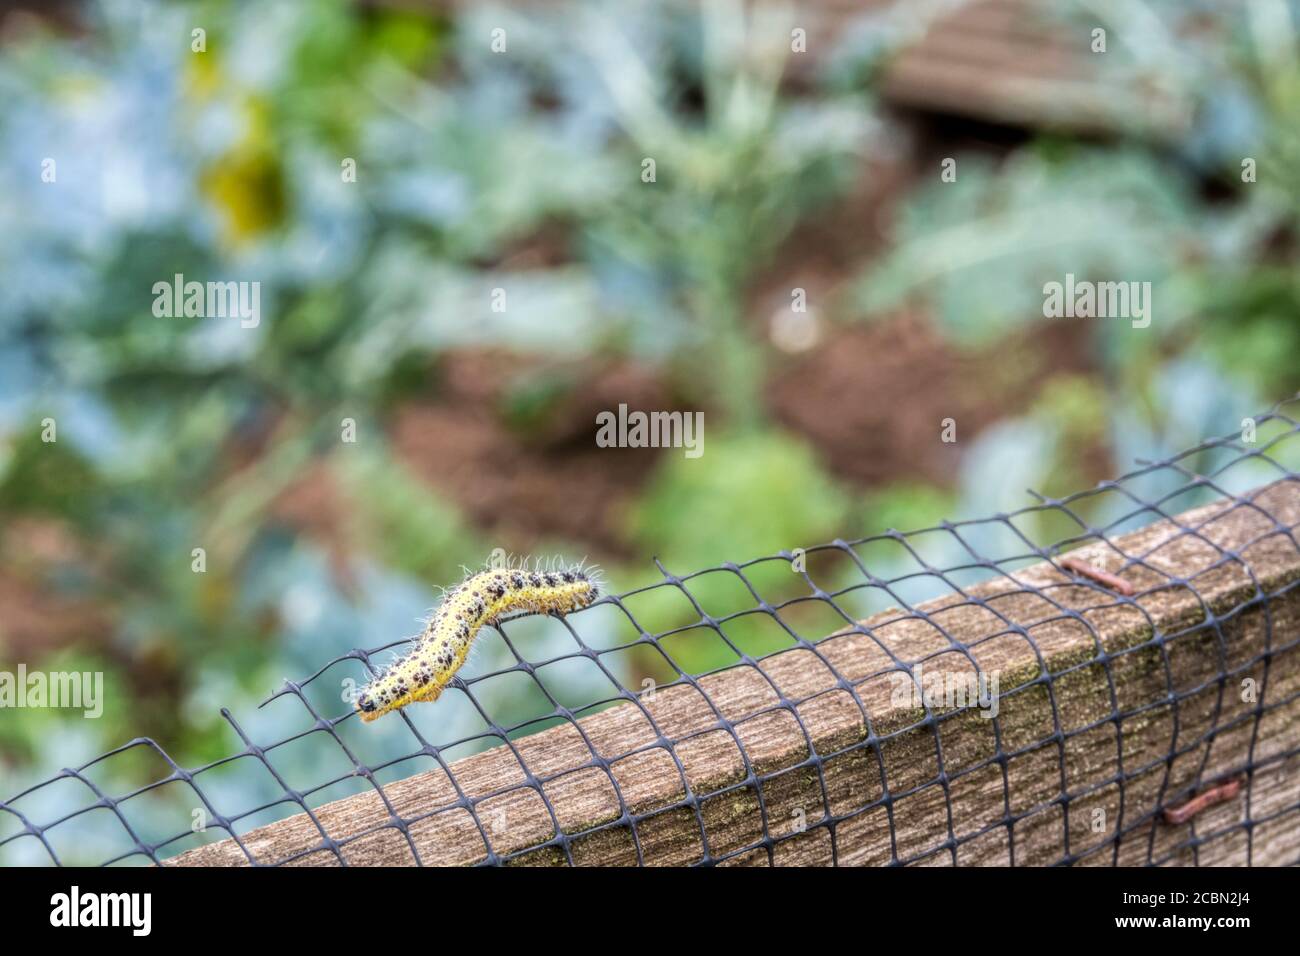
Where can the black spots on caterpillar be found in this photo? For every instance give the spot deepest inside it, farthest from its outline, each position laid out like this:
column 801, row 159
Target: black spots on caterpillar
column 480, row 600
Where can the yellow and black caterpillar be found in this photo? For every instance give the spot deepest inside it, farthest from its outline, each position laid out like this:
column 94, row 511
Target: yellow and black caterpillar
column 480, row 599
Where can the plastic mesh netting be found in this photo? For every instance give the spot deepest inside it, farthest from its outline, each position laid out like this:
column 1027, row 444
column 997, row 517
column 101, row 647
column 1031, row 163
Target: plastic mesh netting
column 961, row 694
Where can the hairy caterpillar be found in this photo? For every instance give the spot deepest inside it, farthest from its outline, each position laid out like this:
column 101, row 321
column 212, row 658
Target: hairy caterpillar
column 480, row 599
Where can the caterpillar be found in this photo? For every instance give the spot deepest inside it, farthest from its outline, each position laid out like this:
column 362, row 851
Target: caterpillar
column 483, row 598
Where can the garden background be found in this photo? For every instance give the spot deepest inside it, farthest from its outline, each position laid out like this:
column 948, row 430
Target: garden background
column 799, row 156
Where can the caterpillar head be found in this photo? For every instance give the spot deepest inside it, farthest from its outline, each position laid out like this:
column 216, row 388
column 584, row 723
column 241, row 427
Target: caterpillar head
column 367, row 706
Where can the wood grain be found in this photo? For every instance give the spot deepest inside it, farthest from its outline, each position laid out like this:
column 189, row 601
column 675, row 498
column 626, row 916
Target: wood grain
column 1099, row 727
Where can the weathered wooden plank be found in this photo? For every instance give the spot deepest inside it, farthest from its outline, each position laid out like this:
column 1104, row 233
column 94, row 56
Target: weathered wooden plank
column 1024, row 63
column 1098, row 726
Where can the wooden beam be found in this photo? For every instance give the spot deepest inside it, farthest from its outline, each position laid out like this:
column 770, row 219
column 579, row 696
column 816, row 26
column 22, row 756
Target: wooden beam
column 1111, row 709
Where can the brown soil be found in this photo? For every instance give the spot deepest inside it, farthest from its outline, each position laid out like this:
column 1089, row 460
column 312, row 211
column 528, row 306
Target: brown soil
column 872, row 393
column 527, row 486
column 35, row 618
column 314, row 505
column 873, row 398
column 522, row 484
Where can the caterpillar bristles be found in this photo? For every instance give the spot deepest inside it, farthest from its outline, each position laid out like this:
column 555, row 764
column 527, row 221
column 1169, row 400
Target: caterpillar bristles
column 482, row 598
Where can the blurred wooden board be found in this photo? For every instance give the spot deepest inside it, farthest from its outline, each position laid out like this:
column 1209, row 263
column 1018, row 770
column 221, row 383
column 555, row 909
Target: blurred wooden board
column 1023, row 63
column 1028, row 63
